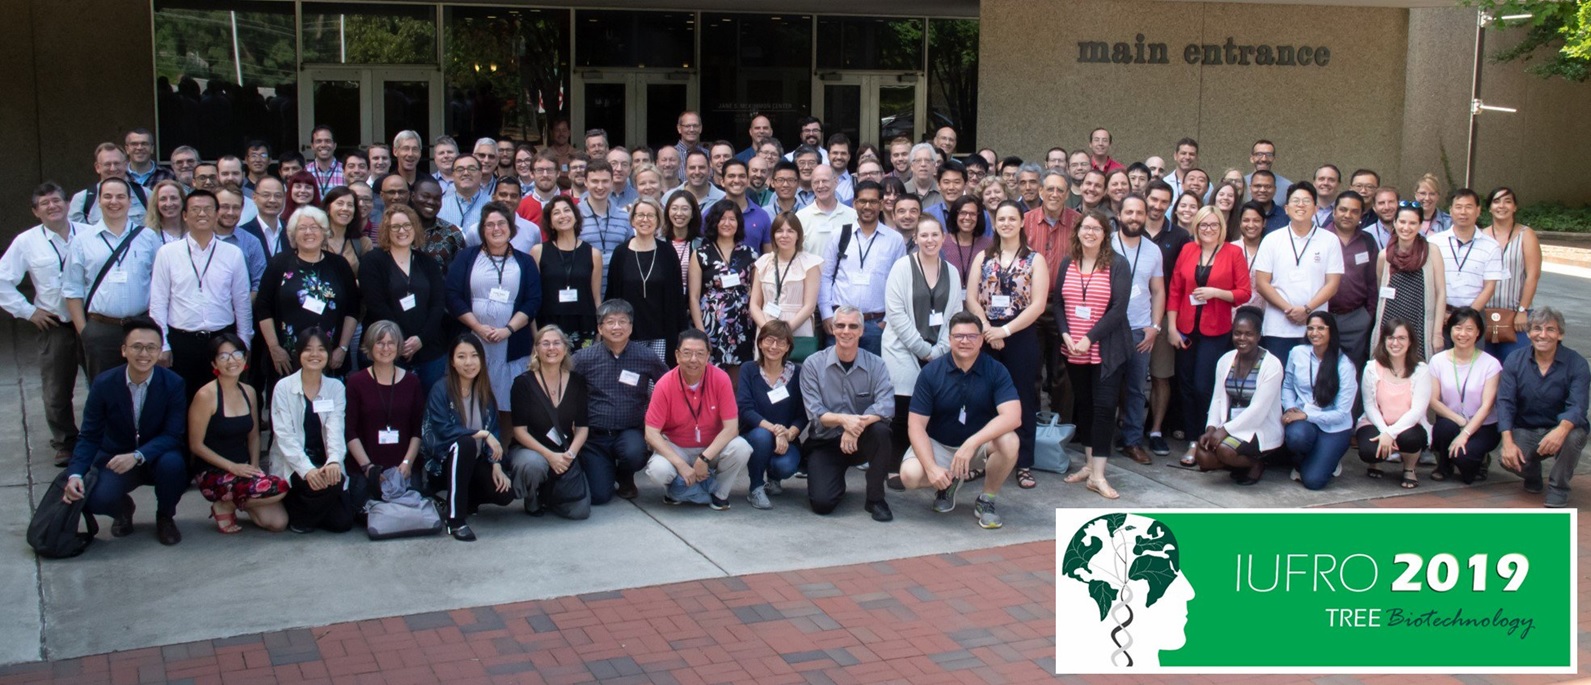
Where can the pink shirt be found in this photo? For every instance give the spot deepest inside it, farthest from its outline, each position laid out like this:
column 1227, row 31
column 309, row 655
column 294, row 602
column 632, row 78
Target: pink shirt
column 692, row 418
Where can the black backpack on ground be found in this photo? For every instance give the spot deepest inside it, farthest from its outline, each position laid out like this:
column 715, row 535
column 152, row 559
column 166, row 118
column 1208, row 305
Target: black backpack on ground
column 53, row 532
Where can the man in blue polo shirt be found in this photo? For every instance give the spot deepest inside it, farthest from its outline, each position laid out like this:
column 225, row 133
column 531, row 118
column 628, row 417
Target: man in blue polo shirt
column 736, row 179
column 964, row 410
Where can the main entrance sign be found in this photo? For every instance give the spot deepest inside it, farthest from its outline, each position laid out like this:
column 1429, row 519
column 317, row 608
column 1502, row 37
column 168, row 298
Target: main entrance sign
column 1230, row 53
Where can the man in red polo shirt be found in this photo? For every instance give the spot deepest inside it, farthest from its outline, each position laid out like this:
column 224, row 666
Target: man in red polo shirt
column 693, row 429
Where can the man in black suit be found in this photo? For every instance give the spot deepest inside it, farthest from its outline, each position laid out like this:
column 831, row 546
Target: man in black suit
column 133, row 427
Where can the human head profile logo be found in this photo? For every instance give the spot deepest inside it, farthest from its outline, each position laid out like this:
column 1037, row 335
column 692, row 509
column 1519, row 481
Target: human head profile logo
column 1121, row 597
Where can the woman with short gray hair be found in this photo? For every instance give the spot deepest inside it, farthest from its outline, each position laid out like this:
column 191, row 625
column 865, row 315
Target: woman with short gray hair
column 386, row 407
column 302, row 289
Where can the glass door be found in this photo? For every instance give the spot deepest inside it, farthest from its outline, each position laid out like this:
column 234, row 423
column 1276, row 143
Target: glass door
column 635, row 106
column 871, row 107
column 365, row 105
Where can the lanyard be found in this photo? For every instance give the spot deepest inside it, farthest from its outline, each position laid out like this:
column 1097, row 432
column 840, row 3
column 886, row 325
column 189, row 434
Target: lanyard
column 547, row 401
column 1298, row 253
column 1243, row 386
column 108, row 246
column 602, row 231
column 778, row 285
column 647, row 274
column 324, row 183
column 497, row 265
column 386, row 399
column 60, row 258
column 1083, row 283
column 1136, row 253
column 464, row 210
column 1463, row 388
column 207, row 262
column 863, row 249
column 1453, row 244
column 701, row 399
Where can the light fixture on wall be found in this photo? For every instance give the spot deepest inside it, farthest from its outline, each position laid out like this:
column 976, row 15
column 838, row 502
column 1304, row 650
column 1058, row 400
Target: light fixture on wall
column 1483, row 19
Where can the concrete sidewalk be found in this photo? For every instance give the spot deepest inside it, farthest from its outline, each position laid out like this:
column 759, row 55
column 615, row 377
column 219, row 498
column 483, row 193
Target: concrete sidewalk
column 131, row 593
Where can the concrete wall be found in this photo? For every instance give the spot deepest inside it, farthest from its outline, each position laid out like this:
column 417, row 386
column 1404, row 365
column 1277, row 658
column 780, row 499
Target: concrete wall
column 1540, row 151
column 1036, row 93
column 80, row 73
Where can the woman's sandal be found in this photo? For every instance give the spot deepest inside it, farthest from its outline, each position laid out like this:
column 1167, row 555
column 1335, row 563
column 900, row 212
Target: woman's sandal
column 1188, row 462
column 226, row 523
column 1024, row 479
column 977, row 474
column 1374, row 472
column 1409, row 481
column 1079, row 476
column 1103, row 488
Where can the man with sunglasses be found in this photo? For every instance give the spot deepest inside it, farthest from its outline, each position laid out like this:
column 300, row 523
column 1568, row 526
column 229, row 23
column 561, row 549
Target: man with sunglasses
column 850, row 401
column 964, row 415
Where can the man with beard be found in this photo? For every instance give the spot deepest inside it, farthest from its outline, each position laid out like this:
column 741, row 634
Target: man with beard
column 1354, row 303
column 1146, row 307
column 1162, row 359
column 761, row 129
column 1262, row 186
column 811, row 135
column 544, row 169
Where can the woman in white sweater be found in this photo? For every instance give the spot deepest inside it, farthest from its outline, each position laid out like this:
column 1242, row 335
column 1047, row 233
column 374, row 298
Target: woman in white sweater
column 922, row 293
column 307, row 415
column 1397, row 394
column 1245, row 419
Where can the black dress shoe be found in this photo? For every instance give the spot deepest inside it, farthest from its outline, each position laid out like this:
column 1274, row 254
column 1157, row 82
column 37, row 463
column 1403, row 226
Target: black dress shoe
column 462, row 532
column 166, row 531
column 122, row 525
column 880, row 511
column 62, row 458
column 627, row 491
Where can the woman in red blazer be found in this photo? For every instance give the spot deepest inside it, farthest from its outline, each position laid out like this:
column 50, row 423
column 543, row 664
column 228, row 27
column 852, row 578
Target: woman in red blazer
column 1209, row 281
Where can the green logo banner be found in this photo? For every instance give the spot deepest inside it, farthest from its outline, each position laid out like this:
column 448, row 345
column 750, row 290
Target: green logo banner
column 1315, row 591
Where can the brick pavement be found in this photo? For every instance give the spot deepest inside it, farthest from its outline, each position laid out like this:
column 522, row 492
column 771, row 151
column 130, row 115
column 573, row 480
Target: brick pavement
column 984, row 616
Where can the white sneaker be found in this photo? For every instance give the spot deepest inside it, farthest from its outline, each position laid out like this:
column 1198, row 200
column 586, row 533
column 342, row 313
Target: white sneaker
column 1297, row 477
column 759, row 498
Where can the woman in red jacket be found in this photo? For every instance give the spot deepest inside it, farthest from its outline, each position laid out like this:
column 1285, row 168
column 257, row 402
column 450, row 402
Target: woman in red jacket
column 1209, row 281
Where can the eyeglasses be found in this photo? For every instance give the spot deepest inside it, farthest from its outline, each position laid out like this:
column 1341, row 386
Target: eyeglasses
column 233, row 356
column 1408, row 204
column 1300, row 201
column 778, row 343
column 550, row 344
column 144, row 349
column 966, row 337
column 846, row 326
column 385, row 342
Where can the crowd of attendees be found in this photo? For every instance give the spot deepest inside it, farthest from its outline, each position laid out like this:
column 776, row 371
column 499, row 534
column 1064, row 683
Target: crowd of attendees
column 543, row 325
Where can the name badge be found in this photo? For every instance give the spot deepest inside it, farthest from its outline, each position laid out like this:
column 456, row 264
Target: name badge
column 315, row 305
column 1136, row 291
column 117, row 275
column 568, row 295
column 407, row 302
column 1003, row 301
column 772, row 310
column 1361, row 258
column 778, row 394
column 936, row 318
column 554, row 437
column 629, row 377
column 963, row 416
column 1083, row 311
column 730, row 280
column 1194, row 300
column 322, row 406
column 1388, row 292
column 387, row 436
column 498, row 295
column 862, row 278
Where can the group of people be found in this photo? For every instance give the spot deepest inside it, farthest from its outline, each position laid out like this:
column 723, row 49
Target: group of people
column 542, row 326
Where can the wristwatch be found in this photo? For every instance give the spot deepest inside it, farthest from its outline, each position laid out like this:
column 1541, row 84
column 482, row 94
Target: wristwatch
column 1522, row 309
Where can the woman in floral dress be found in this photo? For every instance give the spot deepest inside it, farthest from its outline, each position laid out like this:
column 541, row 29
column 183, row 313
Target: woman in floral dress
column 720, row 279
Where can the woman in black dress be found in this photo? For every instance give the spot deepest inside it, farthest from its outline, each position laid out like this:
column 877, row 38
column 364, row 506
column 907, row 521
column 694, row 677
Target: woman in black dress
column 408, row 291
column 303, row 289
column 550, row 427
column 571, row 274
column 224, row 433
column 642, row 273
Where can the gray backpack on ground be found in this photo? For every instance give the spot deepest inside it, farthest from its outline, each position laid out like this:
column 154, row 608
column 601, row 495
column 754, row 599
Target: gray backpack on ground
column 1049, row 443
column 401, row 512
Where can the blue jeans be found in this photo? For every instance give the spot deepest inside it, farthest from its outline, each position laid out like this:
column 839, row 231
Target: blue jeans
column 764, row 461
column 1315, row 453
column 609, row 458
column 1137, row 403
column 1279, row 346
column 429, row 372
column 167, row 472
column 1196, row 369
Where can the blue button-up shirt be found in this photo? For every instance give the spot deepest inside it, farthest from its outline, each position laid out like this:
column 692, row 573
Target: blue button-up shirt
column 253, row 254
column 858, row 278
column 1298, row 390
column 945, row 394
column 117, row 297
column 1528, row 398
column 465, row 212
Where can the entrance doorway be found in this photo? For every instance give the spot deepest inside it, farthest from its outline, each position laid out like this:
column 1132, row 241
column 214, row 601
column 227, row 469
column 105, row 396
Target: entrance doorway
column 871, row 107
column 369, row 104
column 635, row 106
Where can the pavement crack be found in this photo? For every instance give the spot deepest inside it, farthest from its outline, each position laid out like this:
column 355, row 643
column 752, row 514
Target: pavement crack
column 681, row 538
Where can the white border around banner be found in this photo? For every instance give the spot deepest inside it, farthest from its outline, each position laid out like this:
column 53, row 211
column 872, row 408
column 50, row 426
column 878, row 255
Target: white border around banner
column 1077, row 516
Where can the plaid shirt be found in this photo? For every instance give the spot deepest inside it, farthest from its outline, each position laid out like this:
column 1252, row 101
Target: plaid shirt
column 443, row 242
column 616, row 405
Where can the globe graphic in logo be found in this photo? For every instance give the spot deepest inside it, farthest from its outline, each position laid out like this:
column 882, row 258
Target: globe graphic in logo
column 1123, row 594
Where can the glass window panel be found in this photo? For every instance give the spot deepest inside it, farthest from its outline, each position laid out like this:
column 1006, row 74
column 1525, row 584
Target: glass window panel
column 369, row 34
column 863, row 43
column 953, row 79
column 604, row 108
column 406, row 106
column 842, row 111
column 897, row 111
column 224, row 74
column 337, row 103
column 754, row 63
column 624, row 38
column 664, row 102
column 513, row 63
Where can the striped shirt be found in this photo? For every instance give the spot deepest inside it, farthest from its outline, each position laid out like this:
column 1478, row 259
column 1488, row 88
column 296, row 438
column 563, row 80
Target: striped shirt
column 1085, row 298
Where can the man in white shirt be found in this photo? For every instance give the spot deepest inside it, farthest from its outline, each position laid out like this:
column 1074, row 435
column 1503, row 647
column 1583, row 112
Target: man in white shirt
column 1296, row 271
column 1146, row 308
column 198, row 290
column 39, row 253
column 1186, row 157
column 102, row 294
column 1472, row 259
column 109, row 162
column 811, row 136
column 462, row 203
column 822, row 219
column 856, row 276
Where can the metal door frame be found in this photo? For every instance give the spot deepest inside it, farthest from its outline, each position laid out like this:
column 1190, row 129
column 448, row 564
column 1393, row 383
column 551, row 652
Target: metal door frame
column 635, row 82
column 372, row 99
column 871, row 82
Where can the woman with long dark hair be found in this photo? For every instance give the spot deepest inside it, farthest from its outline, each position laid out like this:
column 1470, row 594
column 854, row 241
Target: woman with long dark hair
column 1413, row 284
column 307, row 414
column 1091, row 297
column 1317, row 398
column 1397, row 393
column 224, row 433
column 570, row 274
column 720, row 282
column 1521, row 259
column 966, row 234
column 460, row 437
column 683, row 217
column 1009, row 292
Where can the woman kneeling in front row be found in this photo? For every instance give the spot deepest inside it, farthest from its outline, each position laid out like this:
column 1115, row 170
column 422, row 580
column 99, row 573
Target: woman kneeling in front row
column 1397, row 393
column 1245, row 419
column 307, row 411
column 224, row 433
column 461, row 437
